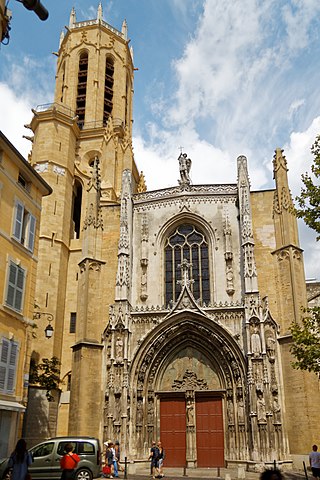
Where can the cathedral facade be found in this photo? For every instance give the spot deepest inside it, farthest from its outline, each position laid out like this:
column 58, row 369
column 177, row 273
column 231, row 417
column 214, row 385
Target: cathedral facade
column 171, row 307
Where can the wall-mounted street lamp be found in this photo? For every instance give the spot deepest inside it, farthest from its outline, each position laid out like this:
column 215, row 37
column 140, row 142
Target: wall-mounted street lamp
column 49, row 328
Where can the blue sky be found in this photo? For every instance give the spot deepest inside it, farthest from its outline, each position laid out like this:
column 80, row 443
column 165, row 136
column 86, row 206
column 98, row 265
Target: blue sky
column 221, row 78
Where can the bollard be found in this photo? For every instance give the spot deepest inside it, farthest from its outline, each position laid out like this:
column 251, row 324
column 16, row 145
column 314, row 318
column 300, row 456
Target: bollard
column 185, row 471
column 274, row 465
column 305, row 470
column 218, row 472
column 125, row 468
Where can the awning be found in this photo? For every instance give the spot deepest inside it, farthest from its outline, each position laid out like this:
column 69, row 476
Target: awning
column 14, row 406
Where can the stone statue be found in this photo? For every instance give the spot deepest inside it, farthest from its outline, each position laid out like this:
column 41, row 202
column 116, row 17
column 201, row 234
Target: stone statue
column 230, row 412
column 119, row 349
column 276, row 410
column 255, row 342
column 271, row 347
column 184, row 169
column 241, row 411
column 190, row 412
column 139, row 412
column 261, row 408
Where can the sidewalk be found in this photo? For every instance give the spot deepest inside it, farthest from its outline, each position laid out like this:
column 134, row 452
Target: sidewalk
column 210, row 473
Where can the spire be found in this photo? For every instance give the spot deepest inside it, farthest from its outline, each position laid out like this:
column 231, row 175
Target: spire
column 250, row 273
column 93, row 223
column 99, row 12
column 124, row 29
column 72, row 20
column 283, row 209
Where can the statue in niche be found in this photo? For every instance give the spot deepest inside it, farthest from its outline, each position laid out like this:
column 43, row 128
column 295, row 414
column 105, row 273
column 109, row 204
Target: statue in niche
column 241, row 411
column 230, row 411
column 150, row 413
column 255, row 342
column 271, row 346
column 139, row 412
column 261, row 408
column 119, row 348
column 276, row 410
column 190, row 412
column 184, row 169
column 117, row 409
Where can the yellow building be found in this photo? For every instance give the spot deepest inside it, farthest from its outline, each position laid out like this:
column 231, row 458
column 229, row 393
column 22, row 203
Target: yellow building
column 21, row 192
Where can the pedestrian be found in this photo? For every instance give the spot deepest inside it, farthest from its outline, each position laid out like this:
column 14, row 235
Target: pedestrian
column 161, row 457
column 314, row 459
column 114, row 461
column 69, row 462
column 109, row 458
column 117, row 454
column 154, row 454
column 271, row 474
column 19, row 461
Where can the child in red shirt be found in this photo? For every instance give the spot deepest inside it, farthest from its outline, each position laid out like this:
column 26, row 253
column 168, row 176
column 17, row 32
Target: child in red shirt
column 69, row 463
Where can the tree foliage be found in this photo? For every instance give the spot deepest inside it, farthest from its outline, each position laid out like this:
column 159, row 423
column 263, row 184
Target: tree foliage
column 46, row 374
column 306, row 341
column 309, row 199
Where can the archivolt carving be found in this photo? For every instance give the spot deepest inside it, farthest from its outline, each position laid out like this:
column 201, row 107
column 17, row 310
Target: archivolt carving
column 190, row 381
column 200, row 336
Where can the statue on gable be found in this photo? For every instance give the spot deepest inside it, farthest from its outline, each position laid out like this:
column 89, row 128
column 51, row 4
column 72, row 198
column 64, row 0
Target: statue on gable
column 184, row 169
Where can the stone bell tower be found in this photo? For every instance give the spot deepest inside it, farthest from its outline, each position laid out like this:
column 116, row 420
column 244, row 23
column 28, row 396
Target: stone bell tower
column 82, row 144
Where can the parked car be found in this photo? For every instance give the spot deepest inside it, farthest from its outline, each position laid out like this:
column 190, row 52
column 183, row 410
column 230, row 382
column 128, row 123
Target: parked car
column 46, row 459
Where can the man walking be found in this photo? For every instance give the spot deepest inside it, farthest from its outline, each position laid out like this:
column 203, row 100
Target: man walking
column 314, row 459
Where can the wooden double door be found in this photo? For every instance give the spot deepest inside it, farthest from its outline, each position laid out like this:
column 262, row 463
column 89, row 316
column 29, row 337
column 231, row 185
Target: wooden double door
column 203, row 442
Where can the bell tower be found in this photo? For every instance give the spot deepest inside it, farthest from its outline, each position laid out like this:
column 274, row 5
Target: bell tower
column 89, row 123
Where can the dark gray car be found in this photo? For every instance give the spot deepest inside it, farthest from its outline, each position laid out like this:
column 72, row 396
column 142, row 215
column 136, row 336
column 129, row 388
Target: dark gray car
column 47, row 455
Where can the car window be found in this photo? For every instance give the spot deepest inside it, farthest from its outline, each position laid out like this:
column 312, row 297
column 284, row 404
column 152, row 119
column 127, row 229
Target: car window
column 61, row 445
column 42, row 450
column 86, row 448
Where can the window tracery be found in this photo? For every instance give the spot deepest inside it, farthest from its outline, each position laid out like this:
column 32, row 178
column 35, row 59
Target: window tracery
column 187, row 242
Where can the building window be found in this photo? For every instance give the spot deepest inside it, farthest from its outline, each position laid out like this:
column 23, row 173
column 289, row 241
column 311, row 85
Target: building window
column 15, row 286
column 24, row 226
column 8, row 363
column 108, row 90
column 73, row 322
column 82, row 88
column 24, row 182
column 187, row 242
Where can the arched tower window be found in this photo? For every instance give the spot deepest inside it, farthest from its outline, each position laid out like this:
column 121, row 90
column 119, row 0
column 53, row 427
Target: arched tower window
column 76, row 212
column 82, row 88
column 187, row 242
column 108, row 90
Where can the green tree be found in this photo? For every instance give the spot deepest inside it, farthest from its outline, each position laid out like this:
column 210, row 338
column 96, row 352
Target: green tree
column 306, row 335
column 309, row 200
column 46, row 374
column 306, row 341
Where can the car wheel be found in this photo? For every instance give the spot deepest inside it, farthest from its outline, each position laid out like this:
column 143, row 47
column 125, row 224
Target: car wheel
column 83, row 474
column 7, row 474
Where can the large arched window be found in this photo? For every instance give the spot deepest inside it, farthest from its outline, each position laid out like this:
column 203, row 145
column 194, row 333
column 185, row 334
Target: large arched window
column 187, row 242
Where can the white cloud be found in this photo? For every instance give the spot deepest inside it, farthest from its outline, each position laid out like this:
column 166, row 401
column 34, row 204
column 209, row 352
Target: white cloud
column 17, row 113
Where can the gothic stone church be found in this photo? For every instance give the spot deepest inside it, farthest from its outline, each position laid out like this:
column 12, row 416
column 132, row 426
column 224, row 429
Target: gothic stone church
column 171, row 307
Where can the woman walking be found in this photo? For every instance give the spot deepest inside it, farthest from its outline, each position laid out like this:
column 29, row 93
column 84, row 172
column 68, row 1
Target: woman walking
column 19, row 461
column 161, row 458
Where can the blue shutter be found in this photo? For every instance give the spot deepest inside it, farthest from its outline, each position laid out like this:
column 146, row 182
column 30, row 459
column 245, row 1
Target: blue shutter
column 18, row 221
column 8, row 365
column 5, row 344
column 15, row 286
column 11, row 377
column 31, row 233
